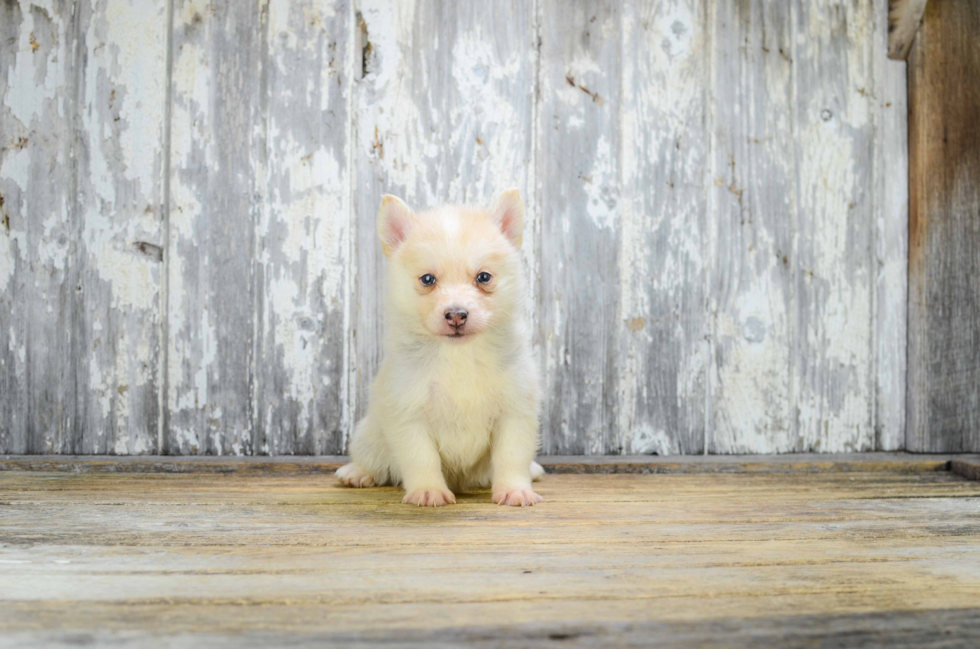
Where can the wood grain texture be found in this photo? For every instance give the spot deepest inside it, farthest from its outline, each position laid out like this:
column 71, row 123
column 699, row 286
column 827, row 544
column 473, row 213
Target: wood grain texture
column 578, row 140
column 620, row 146
column 444, row 108
column 944, row 231
column 39, row 279
column 659, row 364
column 930, row 629
column 834, row 251
column 215, row 191
column 967, row 467
column 891, row 242
column 295, row 560
column 753, row 206
column 88, row 227
column 807, row 324
column 904, row 19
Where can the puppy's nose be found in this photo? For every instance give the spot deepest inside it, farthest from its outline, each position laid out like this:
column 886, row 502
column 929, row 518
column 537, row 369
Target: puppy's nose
column 456, row 317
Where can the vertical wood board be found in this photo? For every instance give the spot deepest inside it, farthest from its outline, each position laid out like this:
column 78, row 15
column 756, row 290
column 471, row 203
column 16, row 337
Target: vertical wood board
column 753, row 223
column 834, row 255
column 38, row 277
column 891, row 241
column 579, row 189
column 661, row 357
column 215, row 192
column 302, row 269
column 119, row 248
column 944, row 231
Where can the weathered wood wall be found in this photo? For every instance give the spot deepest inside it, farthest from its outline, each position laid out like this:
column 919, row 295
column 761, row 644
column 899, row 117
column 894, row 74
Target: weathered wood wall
column 716, row 193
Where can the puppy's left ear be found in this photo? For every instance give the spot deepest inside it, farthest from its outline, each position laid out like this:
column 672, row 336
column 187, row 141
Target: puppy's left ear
column 508, row 213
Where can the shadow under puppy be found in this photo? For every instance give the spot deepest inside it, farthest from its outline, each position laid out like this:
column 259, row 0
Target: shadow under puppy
column 454, row 406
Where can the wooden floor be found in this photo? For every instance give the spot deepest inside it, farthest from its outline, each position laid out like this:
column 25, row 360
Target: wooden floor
column 854, row 558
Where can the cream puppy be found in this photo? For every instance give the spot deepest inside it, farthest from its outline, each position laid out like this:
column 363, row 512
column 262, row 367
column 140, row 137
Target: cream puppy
column 455, row 404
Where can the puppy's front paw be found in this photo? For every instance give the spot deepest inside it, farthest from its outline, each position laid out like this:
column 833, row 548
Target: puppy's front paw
column 429, row 498
column 352, row 475
column 519, row 497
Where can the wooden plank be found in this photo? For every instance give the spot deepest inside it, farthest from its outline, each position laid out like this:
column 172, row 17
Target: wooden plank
column 322, row 464
column 216, row 150
column 122, row 76
column 38, row 275
column 564, row 625
column 969, row 468
column 647, row 504
column 880, row 556
column 730, row 510
column 891, row 240
column 833, row 259
column 790, row 463
column 301, row 266
column 580, row 189
column 656, row 374
column 443, row 115
column 904, row 19
column 752, row 186
column 605, row 464
column 944, row 231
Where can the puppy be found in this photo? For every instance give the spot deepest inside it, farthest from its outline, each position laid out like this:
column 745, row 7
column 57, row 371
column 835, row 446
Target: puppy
column 454, row 406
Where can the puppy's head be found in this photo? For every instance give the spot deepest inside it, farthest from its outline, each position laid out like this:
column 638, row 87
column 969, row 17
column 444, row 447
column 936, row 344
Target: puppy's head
column 453, row 272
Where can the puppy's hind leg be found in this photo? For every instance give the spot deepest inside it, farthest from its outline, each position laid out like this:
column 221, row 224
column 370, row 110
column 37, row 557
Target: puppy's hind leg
column 369, row 466
column 536, row 471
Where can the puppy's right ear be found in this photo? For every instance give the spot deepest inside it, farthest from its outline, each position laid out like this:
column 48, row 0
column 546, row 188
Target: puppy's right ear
column 395, row 221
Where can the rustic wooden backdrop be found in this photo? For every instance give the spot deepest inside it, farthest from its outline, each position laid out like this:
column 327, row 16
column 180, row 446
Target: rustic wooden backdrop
column 716, row 192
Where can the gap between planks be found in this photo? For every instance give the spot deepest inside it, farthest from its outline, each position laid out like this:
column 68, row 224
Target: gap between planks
column 967, row 466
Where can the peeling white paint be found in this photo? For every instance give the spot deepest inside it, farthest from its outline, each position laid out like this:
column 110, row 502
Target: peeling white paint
column 7, row 261
column 752, row 191
column 313, row 215
column 133, row 286
column 139, row 68
column 602, row 187
column 753, row 379
column 186, row 440
column 53, row 247
column 676, row 31
column 295, row 343
column 835, row 393
column 15, row 167
column 99, row 385
column 27, row 94
column 647, row 440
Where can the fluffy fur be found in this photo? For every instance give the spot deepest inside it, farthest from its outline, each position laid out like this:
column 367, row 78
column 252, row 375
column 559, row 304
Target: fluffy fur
column 454, row 406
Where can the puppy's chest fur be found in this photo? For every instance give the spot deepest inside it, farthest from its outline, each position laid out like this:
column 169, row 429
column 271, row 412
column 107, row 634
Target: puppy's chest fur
column 464, row 400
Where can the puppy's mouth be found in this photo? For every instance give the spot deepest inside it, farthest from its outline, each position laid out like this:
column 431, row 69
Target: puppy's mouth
column 456, row 335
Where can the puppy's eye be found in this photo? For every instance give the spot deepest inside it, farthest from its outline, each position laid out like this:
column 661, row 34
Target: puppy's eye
column 428, row 279
column 484, row 278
